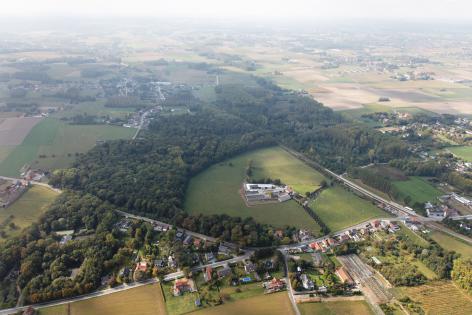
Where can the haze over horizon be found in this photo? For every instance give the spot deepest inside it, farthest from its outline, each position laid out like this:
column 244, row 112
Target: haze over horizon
column 295, row 9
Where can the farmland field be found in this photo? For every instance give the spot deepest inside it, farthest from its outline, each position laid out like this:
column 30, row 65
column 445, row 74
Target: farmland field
column 418, row 189
column 27, row 208
column 452, row 244
column 144, row 300
column 270, row 304
column 463, row 152
column 216, row 190
column 59, row 142
column 436, row 298
column 339, row 208
column 335, row 308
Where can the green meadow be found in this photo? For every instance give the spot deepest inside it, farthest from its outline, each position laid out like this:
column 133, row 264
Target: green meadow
column 339, row 208
column 216, row 190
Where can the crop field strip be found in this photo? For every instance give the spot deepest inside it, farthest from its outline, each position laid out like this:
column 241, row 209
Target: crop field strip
column 335, row 308
column 58, row 143
column 436, row 298
column 268, row 304
column 145, row 300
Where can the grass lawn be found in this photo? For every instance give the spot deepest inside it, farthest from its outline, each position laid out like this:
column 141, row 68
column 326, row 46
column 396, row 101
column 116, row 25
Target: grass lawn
column 54, row 137
column 452, row 244
column 439, row 297
column 418, row 189
column 216, row 190
column 339, row 208
column 176, row 305
column 335, row 308
column 247, row 290
column 27, row 209
column 463, row 152
column 144, row 300
column 269, row 304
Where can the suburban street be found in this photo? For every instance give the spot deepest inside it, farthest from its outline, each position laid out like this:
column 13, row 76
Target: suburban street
column 432, row 223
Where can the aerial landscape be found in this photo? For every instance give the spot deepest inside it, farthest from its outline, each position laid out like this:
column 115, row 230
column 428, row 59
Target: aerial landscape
column 204, row 158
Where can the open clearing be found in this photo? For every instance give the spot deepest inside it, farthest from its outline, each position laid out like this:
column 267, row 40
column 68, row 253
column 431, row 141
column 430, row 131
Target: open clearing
column 269, row 304
column 14, row 130
column 278, row 163
column 26, row 210
column 339, row 208
column 436, row 298
column 145, row 300
column 463, row 152
column 418, row 189
column 335, row 308
column 452, row 244
column 58, row 142
column 216, row 190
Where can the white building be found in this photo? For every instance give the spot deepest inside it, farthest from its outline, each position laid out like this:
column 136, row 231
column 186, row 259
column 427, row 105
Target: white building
column 266, row 192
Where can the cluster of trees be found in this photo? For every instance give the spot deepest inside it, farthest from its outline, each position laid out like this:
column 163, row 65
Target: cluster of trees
column 306, row 126
column 460, row 226
column 44, row 265
column 402, row 273
column 462, row 273
column 149, row 176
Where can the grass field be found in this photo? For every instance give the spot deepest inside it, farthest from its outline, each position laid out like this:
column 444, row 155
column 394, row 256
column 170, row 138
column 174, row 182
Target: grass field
column 339, row 208
column 418, row 189
column 452, row 244
column 463, row 152
column 27, row 209
column 439, row 298
column 53, row 137
column 144, row 300
column 216, row 190
column 335, row 308
column 417, row 239
column 278, row 163
column 270, row 304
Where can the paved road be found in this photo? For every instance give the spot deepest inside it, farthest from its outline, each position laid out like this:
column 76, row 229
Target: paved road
column 289, row 286
column 404, row 211
column 180, row 274
column 437, row 226
column 350, row 184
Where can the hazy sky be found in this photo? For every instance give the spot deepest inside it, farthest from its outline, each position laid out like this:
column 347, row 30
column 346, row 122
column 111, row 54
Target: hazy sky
column 449, row 9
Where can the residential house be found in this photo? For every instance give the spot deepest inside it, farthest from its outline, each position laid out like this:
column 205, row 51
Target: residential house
column 249, row 267
column 307, row 282
column 274, row 285
column 197, row 243
column 141, row 266
column 223, row 249
column 182, row 285
column 223, row 272
column 344, row 276
column 207, row 275
column 209, row 257
column 187, row 240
